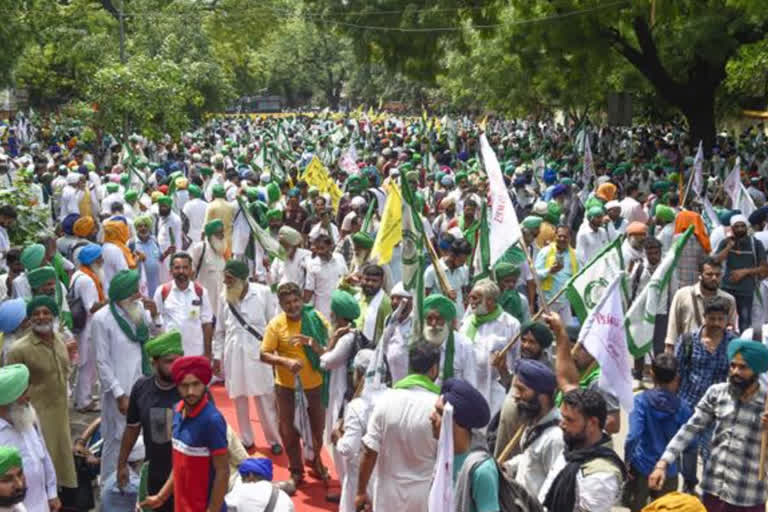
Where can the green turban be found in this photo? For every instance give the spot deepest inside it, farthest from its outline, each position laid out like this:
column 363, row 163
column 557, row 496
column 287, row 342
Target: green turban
column 344, row 305
column 194, row 191
column 461, row 176
column 540, row 331
column 554, row 210
column 593, row 201
column 363, row 240
column 442, row 305
column 112, row 188
column 143, row 220
column 665, row 213
column 252, row 193
column 567, row 181
column 218, row 191
column 505, row 269
column 206, row 171
column 165, row 201
column 123, row 285
column 237, row 268
column 274, row 214
column 32, row 256
column 273, row 192
column 125, row 179
column 532, row 222
column 41, row 275
column 164, row 345
column 213, row 226
column 131, row 195
column 412, row 176
column 10, row 457
column 40, row 301
column 660, row 186
column 14, row 380
column 673, row 177
column 595, row 211
column 755, row 354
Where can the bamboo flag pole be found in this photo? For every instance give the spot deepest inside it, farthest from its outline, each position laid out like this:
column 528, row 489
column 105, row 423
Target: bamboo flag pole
column 511, row 445
column 441, row 277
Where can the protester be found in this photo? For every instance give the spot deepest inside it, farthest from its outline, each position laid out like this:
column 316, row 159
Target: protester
column 555, row 265
column 13, row 485
column 255, row 492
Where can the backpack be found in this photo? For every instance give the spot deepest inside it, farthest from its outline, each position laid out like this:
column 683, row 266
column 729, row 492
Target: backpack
column 165, row 290
column 77, row 309
column 512, row 496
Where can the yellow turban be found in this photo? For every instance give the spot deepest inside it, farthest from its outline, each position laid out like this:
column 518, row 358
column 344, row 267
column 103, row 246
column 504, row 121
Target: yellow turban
column 83, row 227
column 676, row 502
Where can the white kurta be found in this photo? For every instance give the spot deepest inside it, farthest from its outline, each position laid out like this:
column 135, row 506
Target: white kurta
column 589, row 242
column 211, row 275
column 185, row 311
column 463, row 359
column 397, row 349
column 114, row 262
column 356, row 416
column 70, row 201
column 322, row 279
column 292, row 271
column 168, row 234
column 194, row 209
column 491, row 337
column 633, row 211
column 399, row 430
column 38, row 467
column 85, row 288
column 238, row 351
column 109, row 200
column 253, row 496
column 335, row 360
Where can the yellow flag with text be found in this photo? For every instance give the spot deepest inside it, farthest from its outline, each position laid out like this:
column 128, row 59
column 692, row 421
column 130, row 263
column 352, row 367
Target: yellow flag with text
column 390, row 228
column 316, row 175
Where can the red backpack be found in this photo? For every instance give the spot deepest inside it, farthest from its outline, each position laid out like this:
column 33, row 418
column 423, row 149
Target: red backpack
column 166, row 290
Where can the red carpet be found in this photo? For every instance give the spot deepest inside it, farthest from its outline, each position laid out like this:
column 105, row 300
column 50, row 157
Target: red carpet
column 310, row 497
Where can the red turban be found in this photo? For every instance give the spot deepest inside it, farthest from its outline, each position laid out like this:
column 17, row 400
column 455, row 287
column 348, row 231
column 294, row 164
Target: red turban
column 198, row 366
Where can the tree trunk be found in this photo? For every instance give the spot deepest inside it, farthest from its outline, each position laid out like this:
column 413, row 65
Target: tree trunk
column 701, row 121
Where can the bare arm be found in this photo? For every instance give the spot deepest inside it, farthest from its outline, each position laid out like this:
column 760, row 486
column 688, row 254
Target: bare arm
column 220, row 482
column 366, row 470
column 565, row 368
column 208, row 340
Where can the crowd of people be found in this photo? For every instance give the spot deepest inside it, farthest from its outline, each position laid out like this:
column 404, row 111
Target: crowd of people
column 167, row 268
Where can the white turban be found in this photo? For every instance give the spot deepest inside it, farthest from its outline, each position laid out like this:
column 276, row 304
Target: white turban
column 399, row 291
column 739, row 218
column 346, row 224
column 539, row 208
column 612, row 204
column 357, row 202
column 73, row 178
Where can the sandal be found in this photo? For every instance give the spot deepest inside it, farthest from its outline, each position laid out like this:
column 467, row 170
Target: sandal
column 320, row 471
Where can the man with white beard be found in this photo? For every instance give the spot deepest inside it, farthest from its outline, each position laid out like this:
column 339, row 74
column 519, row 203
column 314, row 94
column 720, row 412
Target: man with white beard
column 456, row 356
column 19, row 428
column 488, row 328
column 208, row 260
column 88, row 286
column 121, row 330
column 294, row 268
column 244, row 310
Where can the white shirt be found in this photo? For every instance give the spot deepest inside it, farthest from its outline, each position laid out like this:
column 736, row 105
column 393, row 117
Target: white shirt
column 400, row 432
column 238, row 350
column 458, row 279
column 38, row 467
column 335, row 360
column 5, row 243
column 614, row 231
column 633, row 211
column 589, row 242
column 109, row 200
column 331, row 231
column 322, row 279
column 597, row 492
column 85, row 288
column 254, row 497
column 114, row 262
column 356, row 415
column 194, row 210
column 291, row 271
column 667, row 235
column 165, row 226
column 211, row 275
column 397, row 349
column 530, row 468
column 186, row 311
column 70, row 201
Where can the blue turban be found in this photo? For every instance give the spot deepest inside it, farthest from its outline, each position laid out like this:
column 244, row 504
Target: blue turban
column 519, row 182
column 754, row 353
column 550, row 176
column 89, row 253
column 536, row 375
column 759, row 216
column 470, row 409
column 559, row 190
column 83, row 170
column 256, row 466
column 68, row 223
column 12, row 313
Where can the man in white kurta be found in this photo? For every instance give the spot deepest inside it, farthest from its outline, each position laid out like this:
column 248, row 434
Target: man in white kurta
column 592, row 236
column 72, row 194
column 397, row 346
column 457, row 358
column 488, row 329
column 194, row 211
column 208, row 261
column 294, row 268
column 237, row 352
column 119, row 358
column 19, row 428
column 185, row 305
column 168, row 232
column 324, row 272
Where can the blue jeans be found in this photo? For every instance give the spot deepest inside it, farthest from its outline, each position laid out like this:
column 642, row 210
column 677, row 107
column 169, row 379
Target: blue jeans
column 689, row 457
column 744, row 309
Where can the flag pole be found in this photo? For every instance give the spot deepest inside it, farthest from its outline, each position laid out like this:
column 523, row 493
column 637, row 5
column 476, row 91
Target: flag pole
column 688, row 187
column 536, row 280
column 511, row 445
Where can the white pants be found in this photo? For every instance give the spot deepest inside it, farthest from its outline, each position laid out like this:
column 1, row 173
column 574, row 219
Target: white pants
column 267, row 412
column 86, row 372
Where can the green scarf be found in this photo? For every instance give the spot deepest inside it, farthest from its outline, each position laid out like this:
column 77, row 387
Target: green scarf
column 313, row 326
column 511, row 302
column 586, row 379
column 469, row 232
column 450, row 349
column 58, row 265
column 140, row 336
column 477, row 320
column 417, row 380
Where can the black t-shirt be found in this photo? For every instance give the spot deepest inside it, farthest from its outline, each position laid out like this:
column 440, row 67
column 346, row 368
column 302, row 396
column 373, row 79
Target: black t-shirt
column 152, row 408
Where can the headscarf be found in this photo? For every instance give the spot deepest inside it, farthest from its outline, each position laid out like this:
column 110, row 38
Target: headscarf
column 606, row 191
column 363, row 240
column 688, row 218
column 69, row 222
column 83, row 227
column 344, row 305
column 213, row 226
column 470, row 408
column 739, row 218
column 10, row 457
column 165, row 344
column 675, row 502
column 32, row 256
column 261, row 467
column 755, row 354
column 117, row 233
column 237, row 268
column 199, row 366
column 14, row 381
column 40, row 301
column 12, row 314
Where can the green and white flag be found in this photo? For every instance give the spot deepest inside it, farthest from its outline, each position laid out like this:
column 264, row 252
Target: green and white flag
column 413, row 254
column 641, row 316
column 271, row 246
column 585, row 289
column 481, row 256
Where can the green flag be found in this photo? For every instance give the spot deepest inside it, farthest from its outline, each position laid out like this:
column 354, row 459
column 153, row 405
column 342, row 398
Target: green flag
column 413, row 254
column 271, row 246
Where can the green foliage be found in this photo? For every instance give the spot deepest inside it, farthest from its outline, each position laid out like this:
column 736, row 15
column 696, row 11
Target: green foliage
column 32, row 219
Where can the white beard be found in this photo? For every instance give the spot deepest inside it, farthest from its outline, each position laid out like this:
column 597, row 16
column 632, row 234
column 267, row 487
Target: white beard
column 436, row 335
column 235, row 291
column 218, row 245
column 480, row 309
column 46, row 328
column 23, row 417
column 134, row 309
column 99, row 271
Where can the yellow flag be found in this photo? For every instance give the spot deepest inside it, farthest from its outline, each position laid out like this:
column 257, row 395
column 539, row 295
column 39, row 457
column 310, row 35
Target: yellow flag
column 391, row 226
column 316, row 175
column 483, row 123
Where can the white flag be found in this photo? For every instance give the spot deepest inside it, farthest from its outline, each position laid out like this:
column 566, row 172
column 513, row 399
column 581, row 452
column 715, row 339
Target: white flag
column 698, row 179
column 504, row 227
column 740, row 198
column 441, row 493
column 348, row 161
column 589, row 163
column 603, row 337
column 709, row 215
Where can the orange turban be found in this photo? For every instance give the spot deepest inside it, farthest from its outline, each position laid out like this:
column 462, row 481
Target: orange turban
column 606, row 192
column 637, row 228
column 687, row 218
column 118, row 233
column 83, row 227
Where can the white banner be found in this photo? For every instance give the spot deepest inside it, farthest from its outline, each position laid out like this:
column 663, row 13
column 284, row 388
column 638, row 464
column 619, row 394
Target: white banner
column 603, row 336
column 698, row 178
column 441, row 493
column 504, row 227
